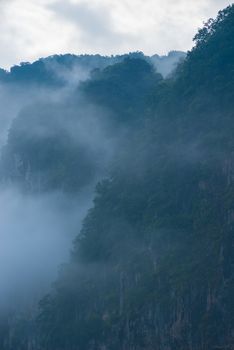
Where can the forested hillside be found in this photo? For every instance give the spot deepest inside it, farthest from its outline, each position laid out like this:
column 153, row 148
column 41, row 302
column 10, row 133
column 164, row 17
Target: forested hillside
column 61, row 69
column 64, row 134
column 153, row 265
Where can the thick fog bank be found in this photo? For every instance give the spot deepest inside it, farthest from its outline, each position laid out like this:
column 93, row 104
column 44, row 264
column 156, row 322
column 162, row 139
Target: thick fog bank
column 35, row 238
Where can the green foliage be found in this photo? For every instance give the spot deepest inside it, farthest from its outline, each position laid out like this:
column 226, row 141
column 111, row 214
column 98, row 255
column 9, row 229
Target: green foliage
column 153, row 264
column 119, row 86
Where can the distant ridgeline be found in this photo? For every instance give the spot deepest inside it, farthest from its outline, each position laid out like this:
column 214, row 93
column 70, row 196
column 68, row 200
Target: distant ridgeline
column 55, row 69
column 153, row 265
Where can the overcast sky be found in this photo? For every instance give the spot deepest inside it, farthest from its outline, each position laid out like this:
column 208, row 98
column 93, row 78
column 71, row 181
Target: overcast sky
column 30, row 29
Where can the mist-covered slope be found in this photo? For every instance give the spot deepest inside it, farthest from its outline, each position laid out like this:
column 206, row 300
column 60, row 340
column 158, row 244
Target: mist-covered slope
column 152, row 266
column 56, row 143
column 66, row 142
column 55, row 129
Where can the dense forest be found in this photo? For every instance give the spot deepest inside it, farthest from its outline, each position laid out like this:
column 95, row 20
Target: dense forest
column 152, row 267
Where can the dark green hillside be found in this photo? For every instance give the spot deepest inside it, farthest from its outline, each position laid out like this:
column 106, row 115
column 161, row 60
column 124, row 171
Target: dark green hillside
column 124, row 88
column 153, row 265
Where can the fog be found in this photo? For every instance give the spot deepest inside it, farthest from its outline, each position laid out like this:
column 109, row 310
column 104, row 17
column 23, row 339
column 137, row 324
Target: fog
column 38, row 225
column 35, row 238
column 56, row 146
column 15, row 97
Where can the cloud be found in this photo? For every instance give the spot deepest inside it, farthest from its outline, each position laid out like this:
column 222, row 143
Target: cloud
column 33, row 28
column 94, row 26
column 93, row 23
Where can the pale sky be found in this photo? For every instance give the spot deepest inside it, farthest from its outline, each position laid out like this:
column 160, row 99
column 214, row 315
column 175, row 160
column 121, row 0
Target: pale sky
column 30, row 29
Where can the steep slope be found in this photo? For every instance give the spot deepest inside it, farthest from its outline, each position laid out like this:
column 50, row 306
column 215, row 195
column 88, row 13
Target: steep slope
column 153, row 265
